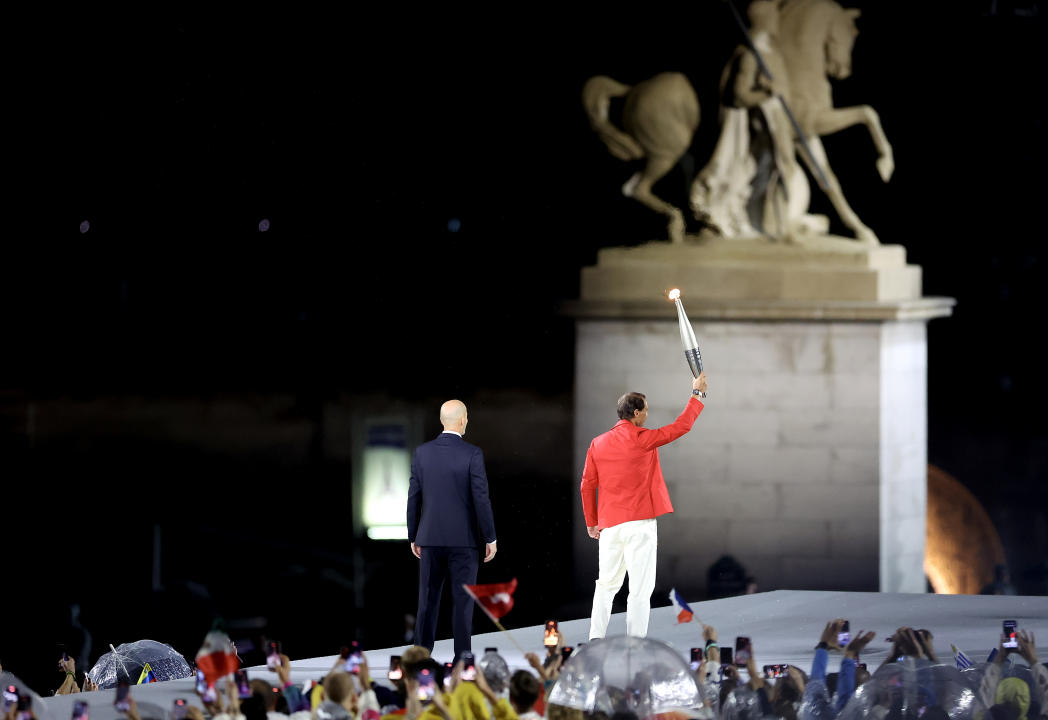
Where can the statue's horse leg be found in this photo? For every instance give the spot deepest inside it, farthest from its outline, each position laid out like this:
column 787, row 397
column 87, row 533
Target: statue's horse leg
column 831, row 120
column 833, row 192
column 661, row 114
column 639, row 187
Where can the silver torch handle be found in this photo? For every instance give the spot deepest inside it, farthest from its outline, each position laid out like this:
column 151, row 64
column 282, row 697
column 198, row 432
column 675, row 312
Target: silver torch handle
column 691, row 345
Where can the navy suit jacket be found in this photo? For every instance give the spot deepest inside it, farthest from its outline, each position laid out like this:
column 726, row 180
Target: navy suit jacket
column 448, row 497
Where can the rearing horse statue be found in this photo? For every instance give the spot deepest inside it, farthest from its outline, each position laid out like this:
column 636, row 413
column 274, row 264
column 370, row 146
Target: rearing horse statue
column 816, row 39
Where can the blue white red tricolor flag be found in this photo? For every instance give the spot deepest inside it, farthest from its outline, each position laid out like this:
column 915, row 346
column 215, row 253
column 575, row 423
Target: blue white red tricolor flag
column 684, row 613
column 963, row 663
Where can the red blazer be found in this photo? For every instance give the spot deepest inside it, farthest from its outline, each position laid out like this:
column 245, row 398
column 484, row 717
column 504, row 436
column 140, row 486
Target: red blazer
column 624, row 464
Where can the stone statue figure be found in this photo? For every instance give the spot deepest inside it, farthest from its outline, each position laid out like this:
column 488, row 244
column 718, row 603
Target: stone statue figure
column 753, row 184
column 747, row 185
column 659, row 119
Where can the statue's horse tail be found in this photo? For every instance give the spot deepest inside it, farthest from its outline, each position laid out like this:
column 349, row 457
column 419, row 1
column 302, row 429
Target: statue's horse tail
column 596, row 98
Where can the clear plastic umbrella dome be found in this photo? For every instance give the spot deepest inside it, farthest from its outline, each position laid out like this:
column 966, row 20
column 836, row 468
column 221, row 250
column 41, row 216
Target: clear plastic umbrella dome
column 638, row 676
column 496, row 671
column 742, row 704
column 915, row 689
column 126, row 662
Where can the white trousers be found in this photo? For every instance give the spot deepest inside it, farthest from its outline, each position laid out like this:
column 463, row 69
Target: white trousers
column 627, row 548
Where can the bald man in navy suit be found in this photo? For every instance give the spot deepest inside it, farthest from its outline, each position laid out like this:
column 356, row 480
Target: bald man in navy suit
column 449, row 514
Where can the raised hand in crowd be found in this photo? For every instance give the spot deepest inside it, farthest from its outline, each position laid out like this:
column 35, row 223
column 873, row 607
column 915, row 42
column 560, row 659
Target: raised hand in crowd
column 858, row 644
column 233, row 699
column 214, row 707
column 283, row 670
column 554, row 659
column 13, row 712
column 924, row 640
column 68, row 686
column 1027, row 649
column 456, row 675
column 412, row 705
column 89, row 684
column 831, row 634
column 441, row 706
column 712, row 649
column 797, row 678
column 536, row 665
column 364, row 673
column 904, row 643
column 485, row 689
column 756, row 677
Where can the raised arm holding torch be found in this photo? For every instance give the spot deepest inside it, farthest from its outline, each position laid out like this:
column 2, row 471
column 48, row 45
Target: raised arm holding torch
column 687, row 338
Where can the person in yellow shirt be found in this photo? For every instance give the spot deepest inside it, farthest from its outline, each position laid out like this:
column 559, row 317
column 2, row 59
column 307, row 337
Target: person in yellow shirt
column 524, row 689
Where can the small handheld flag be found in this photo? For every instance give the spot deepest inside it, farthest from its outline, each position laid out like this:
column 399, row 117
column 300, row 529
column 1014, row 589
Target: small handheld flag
column 217, row 657
column 684, row 613
column 963, row 663
column 147, row 675
column 496, row 599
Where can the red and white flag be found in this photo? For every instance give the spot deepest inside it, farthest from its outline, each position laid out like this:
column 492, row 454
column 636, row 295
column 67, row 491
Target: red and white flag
column 217, row 657
column 496, row 598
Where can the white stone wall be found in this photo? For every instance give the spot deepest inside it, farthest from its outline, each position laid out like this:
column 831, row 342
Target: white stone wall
column 807, row 464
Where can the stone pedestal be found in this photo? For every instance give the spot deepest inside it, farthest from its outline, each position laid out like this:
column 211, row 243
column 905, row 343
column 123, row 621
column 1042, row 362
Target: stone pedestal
column 808, row 463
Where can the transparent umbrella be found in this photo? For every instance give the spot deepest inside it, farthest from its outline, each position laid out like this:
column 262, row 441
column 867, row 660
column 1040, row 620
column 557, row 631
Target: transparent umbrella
column 742, row 704
column 635, row 676
column 915, row 689
column 495, row 670
column 126, row 662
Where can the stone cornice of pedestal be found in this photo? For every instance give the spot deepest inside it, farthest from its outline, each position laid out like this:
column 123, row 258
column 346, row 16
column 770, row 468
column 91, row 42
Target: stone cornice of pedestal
column 813, row 251
column 813, row 273
column 926, row 308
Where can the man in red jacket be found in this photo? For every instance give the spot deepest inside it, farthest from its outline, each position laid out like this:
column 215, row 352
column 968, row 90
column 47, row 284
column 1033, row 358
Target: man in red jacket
column 623, row 464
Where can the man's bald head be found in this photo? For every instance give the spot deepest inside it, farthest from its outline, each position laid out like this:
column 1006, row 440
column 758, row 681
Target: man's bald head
column 453, row 416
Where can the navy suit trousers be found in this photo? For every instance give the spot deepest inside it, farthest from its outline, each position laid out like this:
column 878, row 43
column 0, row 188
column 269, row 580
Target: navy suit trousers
column 438, row 564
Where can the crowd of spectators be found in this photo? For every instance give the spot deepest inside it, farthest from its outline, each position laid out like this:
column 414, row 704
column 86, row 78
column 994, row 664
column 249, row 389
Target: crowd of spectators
column 908, row 685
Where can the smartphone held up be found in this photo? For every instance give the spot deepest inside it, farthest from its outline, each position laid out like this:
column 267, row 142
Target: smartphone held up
column 427, row 686
column 844, row 636
column 243, row 686
column 742, row 650
column 122, row 703
column 696, row 658
column 353, row 657
column 273, row 651
column 25, row 707
column 469, row 667
column 1009, row 637
column 550, row 639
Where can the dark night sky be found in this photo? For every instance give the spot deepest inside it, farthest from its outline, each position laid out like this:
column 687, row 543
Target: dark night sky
column 364, row 139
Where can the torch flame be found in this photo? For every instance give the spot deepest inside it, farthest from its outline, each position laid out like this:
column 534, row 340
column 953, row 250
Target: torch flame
column 674, row 293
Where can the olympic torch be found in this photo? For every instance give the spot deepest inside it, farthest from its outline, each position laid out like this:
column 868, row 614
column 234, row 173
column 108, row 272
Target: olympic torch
column 687, row 337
